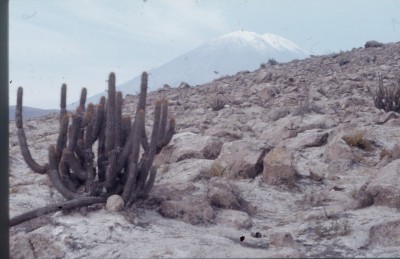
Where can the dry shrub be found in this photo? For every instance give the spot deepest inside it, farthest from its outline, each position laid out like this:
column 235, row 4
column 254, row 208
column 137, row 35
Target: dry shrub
column 217, row 102
column 217, row 170
column 358, row 140
column 373, row 44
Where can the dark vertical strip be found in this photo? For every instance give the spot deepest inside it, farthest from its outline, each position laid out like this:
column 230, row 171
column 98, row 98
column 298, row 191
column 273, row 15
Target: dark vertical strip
column 4, row 81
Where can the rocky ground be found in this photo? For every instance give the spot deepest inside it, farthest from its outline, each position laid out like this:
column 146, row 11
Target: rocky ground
column 298, row 161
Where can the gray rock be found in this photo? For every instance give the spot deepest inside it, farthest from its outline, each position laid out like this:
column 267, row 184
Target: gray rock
column 385, row 235
column 242, row 158
column 234, row 218
column 35, row 245
column 278, row 167
column 283, row 239
column 384, row 186
column 189, row 145
column 115, row 203
column 193, row 212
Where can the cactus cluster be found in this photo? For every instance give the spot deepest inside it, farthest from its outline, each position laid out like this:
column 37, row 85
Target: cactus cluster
column 387, row 97
column 72, row 165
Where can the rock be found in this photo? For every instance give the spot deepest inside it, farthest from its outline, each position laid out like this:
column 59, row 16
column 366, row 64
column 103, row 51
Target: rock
column 224, row 134
column 338, row 167
column 234, row 218
column 385, row 235
column 222, row 198
column 190, row 211
column 20, row 247
column 224, row 195
column 337, row 149
column 172, row 190
column 242, row 158
column 382, row 119
column 35, row 245
column 262, row 77
column 185, row 171
column 115, row 203
column 307, row 139
column 212, row 149
column 384, row 187
column 277, row 114
column 283, row 239
column 187, row 145
column 278, row 167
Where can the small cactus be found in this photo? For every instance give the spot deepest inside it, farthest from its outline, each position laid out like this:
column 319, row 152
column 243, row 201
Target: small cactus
column 386, row 97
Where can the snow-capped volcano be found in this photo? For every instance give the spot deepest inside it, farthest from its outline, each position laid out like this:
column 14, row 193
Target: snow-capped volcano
column 226, row 55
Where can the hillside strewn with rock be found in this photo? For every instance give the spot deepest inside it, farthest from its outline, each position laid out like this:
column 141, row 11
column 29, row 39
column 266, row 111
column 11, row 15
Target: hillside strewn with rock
column 297, row 160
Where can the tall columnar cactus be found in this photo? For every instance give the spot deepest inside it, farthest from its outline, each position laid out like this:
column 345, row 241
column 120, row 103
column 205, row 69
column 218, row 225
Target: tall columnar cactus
column 118, row 170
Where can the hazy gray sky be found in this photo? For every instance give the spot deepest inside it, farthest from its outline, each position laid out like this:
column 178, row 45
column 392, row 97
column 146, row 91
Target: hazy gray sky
column 78, row 42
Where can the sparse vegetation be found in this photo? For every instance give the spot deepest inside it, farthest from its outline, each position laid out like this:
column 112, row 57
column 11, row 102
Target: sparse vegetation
column 363, row 197
column 272, row 62
column 358, row 140
column 387, row 97
column 217, row 102
column 72, row 168
column 217, row 170
column 373, row 44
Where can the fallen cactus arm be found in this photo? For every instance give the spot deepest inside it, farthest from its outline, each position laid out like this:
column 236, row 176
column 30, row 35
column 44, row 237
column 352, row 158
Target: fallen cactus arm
column 65, row 206
column 72, row 168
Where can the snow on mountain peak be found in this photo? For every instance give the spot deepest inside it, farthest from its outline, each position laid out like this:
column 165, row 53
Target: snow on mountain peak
column 225, row 55
column 262, row 42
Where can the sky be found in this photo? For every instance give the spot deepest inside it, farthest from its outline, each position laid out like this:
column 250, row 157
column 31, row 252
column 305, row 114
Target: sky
column 79, row 42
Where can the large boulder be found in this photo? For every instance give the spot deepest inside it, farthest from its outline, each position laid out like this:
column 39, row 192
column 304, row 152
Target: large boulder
column 202, row 213
column 222, row 194
column 385, row 235
column 234, row 218
column 278, row 167
column 35, row 245
column 384, row 187
column 188, row 145
column 115, row 203
column 242, row 158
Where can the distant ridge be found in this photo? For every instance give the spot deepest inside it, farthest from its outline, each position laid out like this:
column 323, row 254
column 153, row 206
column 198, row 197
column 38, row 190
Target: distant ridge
column 225, row 55
column 29, row 112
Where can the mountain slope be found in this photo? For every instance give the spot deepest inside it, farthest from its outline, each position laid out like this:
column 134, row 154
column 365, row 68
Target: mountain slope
column 226, row 55
column 29, row 112
column 332, row 199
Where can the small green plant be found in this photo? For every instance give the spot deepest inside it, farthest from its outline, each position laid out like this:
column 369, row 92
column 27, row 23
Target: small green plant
column 358, row 140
